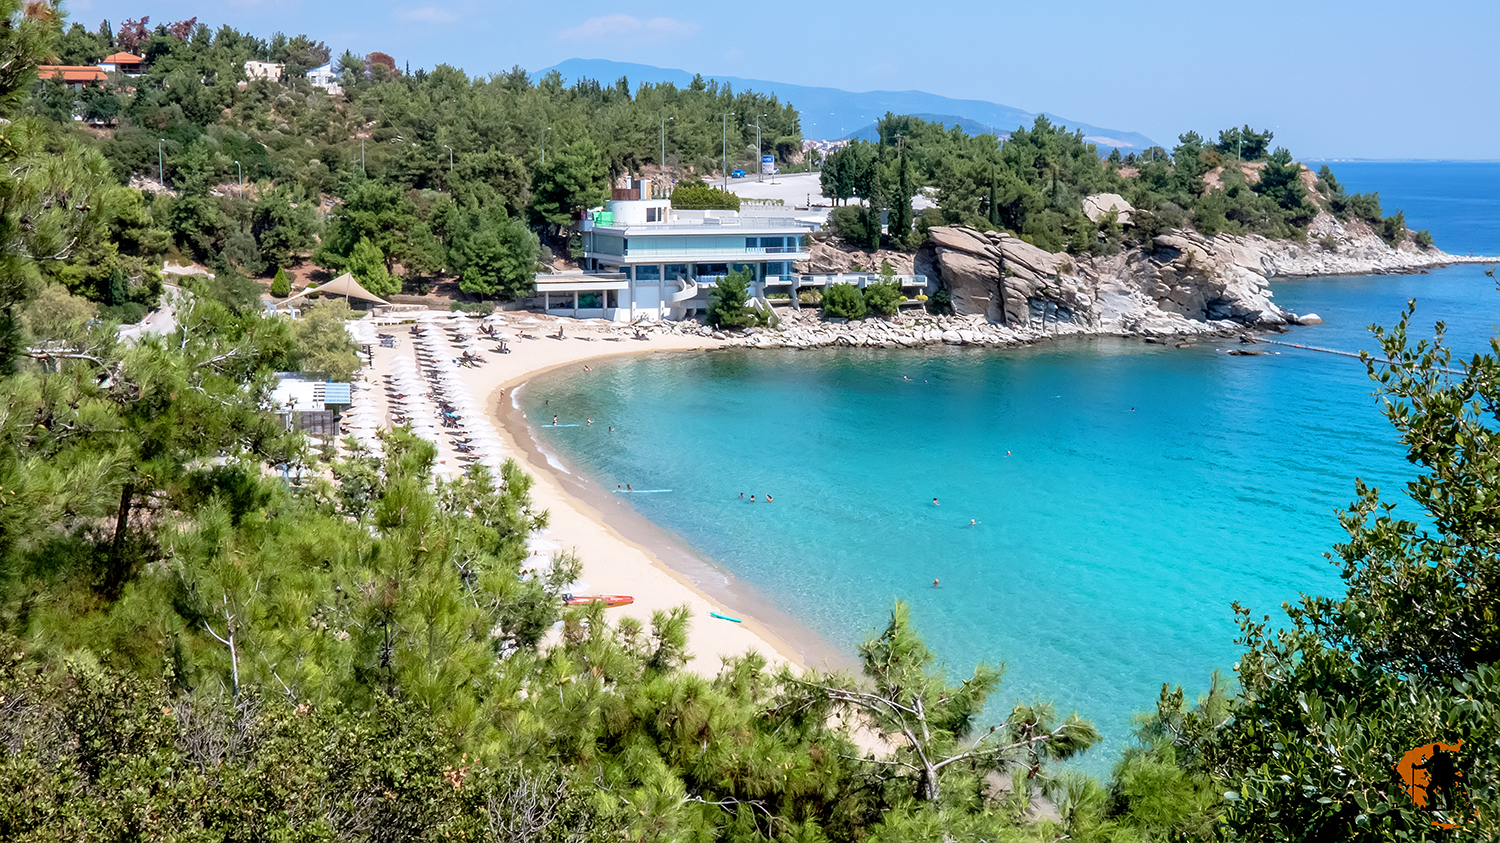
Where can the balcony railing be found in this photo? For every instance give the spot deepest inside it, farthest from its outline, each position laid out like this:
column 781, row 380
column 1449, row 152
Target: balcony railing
column 648, row 252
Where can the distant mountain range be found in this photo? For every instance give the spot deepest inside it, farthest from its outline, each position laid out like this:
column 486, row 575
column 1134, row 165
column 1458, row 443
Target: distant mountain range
column 832, row 114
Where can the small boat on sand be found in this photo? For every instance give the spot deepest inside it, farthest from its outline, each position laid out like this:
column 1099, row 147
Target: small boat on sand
column 610, row 601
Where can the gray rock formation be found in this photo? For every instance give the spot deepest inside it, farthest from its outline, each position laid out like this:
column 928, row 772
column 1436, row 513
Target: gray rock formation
column 1183, row 283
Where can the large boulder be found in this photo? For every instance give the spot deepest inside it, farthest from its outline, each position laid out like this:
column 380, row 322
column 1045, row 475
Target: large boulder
column 1183, row 279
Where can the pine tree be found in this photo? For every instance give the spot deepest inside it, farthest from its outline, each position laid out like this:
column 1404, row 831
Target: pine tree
column 281, row 285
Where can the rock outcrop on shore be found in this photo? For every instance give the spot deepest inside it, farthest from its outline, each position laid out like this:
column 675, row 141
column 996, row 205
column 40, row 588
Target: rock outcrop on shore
column 1182, row 283
column 1008, row 292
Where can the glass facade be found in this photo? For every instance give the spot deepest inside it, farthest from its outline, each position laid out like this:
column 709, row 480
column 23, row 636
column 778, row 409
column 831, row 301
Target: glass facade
column 648, row 273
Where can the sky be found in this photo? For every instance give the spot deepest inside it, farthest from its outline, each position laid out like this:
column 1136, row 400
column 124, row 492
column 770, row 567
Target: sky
column 1333, row 78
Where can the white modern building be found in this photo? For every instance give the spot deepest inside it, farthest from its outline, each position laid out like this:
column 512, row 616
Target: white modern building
column 643, row 258
column 327, row 78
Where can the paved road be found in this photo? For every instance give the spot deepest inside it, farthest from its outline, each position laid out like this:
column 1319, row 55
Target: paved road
column 162, row 320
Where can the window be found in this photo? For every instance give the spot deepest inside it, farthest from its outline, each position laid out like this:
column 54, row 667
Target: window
column 677, row 271
column 772, row 244
column 590, row 301
column 648, row 273
column 752, row 242
column 775, row 269
column 655, row 215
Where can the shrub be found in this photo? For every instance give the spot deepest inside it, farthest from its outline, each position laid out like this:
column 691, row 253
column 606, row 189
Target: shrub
column 853, row 224
column 281, row 285
column 883, row 298
column 697, row 196
column 810, row 297
column 843, row 301
column 482, row 308
column 127, row 313
column 1392, row 229
column 727, row 302
column 1424, row 238
column 941, row 303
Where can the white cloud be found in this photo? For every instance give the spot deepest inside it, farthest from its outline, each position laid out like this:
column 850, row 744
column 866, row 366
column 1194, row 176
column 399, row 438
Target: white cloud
column 427, row 14
column 625, row 26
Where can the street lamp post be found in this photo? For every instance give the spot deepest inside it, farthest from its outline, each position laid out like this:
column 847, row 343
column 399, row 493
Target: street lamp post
column 450, row 156
column 724, row 144
column 664, row 145
column 544, row 145
column 241, row 171
column 760, row 167
column 161, row 172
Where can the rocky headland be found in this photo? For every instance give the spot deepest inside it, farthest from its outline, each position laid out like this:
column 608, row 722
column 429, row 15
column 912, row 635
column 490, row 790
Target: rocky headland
column 1007, row 292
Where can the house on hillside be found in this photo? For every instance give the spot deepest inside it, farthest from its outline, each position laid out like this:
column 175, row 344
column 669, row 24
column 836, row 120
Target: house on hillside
column 126, row 63
column 327, row 78
column 269, row 70
column 74, row 76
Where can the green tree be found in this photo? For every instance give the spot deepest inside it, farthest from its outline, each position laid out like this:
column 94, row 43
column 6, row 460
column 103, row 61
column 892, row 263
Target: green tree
column 281, row 285
column 572, row 181
column 843, row 301
column 934, row 724
column 497, row 256
column 728, row 301
column 367, row 265
column 1330, row 704
column 322, row 341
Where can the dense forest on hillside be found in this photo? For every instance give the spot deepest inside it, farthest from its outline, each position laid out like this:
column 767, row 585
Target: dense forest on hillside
column 1034, row 183
column 210, row 630
column 404, row 176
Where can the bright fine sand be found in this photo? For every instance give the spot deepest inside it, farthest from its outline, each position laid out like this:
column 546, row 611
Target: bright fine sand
column 612, row 563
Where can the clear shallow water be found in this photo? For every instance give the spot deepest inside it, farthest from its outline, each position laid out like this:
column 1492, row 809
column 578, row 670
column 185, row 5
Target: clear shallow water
column 1125, row 494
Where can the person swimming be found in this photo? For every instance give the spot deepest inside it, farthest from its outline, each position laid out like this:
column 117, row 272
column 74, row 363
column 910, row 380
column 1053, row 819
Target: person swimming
column 742, row 495
column 934, row 582
column 752, row 499
column 935, row 503
column 972, row 522
column 768, row 498
column 627, row 488
column 554, row 421
column 591, row 421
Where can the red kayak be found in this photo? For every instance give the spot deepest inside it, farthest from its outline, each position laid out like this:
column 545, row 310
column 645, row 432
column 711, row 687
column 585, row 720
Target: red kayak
column 610, row 601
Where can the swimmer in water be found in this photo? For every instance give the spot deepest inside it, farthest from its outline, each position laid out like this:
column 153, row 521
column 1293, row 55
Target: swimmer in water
column 591, row 421
column 554, row 421
column 934, row 582
column 627, row 488
column 752, row 499
column 768, row 498
column 972, row 522
column 935, row 503
column 1007, row 453
column 611, row 429
column 742, row 495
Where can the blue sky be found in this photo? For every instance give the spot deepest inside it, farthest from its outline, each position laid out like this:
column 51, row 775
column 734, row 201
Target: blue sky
column 1334, row 78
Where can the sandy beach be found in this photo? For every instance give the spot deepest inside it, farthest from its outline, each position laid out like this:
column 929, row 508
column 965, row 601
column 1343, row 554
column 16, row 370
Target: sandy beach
column 621, row 552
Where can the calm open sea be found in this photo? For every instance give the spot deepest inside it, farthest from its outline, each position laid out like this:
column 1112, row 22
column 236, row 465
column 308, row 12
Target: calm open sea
column 1125, row 495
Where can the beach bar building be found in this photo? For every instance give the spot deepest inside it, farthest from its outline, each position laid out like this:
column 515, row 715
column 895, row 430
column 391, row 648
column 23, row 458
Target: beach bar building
column 662, row 261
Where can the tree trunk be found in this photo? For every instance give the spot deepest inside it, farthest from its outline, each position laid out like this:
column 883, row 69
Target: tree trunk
column 927, row 786
column 114, row 578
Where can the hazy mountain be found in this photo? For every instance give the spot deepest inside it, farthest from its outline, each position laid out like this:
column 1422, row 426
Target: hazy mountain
column 829, row 113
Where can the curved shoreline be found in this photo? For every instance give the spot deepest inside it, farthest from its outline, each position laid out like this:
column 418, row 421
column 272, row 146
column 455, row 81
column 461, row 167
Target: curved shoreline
column 621, row 550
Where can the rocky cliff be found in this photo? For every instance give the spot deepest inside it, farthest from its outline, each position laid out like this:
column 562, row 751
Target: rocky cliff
column 1182, row 283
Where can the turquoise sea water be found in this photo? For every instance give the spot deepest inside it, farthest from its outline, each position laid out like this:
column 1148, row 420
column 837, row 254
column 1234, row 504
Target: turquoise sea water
column 1125, row 495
